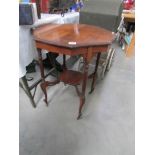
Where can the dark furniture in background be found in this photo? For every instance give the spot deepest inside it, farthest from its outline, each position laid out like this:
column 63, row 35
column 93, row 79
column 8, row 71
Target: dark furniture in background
column 57, row 6
column 61, row 3
column 103, row 13
column 38, row 8
column 25, row 14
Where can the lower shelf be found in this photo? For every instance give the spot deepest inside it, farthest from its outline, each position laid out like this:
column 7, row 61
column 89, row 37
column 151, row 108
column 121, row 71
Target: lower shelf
column 71, row 77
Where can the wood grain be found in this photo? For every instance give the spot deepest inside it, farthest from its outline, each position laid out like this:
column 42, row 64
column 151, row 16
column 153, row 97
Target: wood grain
column 65, row 35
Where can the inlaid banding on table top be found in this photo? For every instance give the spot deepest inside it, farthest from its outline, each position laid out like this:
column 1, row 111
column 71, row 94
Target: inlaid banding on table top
column 81, row 35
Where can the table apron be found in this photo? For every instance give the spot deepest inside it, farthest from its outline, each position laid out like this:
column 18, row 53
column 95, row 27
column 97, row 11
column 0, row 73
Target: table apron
column 71, row 51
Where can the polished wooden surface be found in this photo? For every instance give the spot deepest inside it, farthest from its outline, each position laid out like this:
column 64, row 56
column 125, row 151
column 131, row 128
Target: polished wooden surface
column 73, row 35
column 129, row 17
column 71, row 77
column 72, row 39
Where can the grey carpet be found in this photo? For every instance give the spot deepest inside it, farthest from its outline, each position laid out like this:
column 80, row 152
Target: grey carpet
column 107, row 126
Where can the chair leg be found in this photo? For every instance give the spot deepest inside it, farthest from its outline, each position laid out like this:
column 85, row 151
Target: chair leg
column 64, row 62
column 24, row 85
column 110, row 59
column 106, row 63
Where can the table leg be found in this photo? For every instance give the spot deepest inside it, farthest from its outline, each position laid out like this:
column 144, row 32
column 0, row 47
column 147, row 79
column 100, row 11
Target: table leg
column 95, row 73
column 82, row 96
column 43, row 83
column 64, row 62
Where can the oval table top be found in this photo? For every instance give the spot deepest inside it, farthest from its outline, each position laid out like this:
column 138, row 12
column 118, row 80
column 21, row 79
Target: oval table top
column 73, row 35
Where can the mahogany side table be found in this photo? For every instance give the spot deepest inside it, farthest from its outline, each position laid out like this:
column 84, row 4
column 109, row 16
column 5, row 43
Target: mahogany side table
column 72, row 39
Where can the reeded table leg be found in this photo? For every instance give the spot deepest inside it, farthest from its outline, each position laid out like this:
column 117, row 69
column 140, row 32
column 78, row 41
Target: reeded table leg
column 95, row 72
column 82, row 96
column 43, row 83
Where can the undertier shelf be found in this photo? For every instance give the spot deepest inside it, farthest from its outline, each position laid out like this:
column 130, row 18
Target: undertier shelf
column 71, row 77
